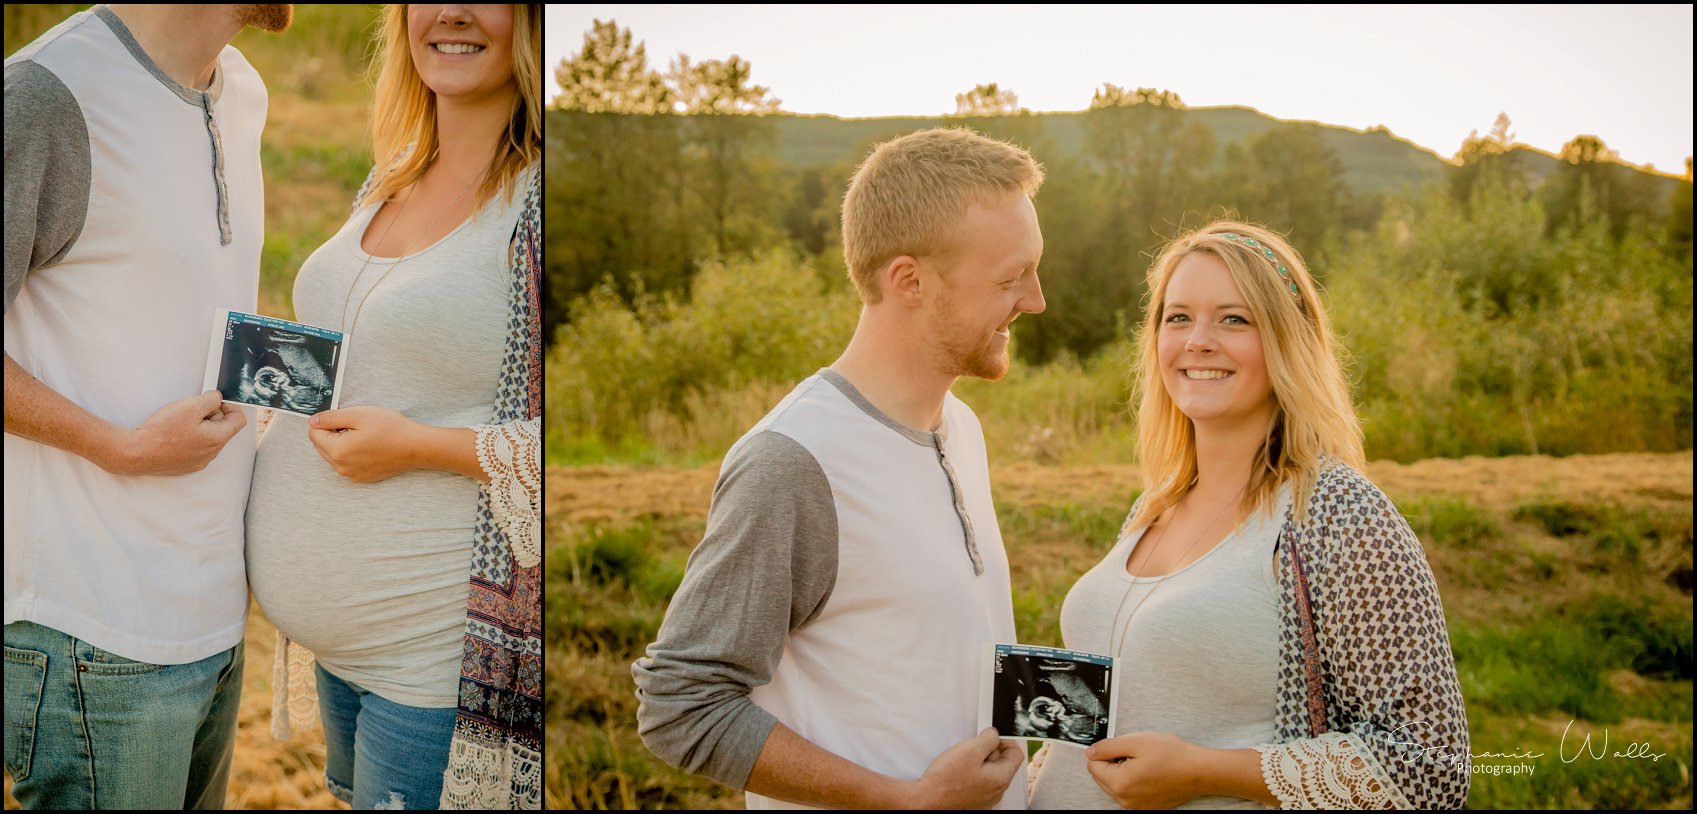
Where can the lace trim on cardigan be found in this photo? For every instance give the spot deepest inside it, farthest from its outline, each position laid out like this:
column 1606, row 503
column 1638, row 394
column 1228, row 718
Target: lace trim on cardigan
column 294, row 690
column 1034, row 768
column 1328, row 772
column 482, row 777
column 510, row 456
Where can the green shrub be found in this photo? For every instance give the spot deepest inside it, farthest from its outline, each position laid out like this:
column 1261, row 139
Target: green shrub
column 1065, row 411
column 611, row 619
column 1450, row 521
column 1562, row 519
column 1467, row 330
column 620, row 377
column 660, row 578
column 1094, row 526
column 1474, row 332
column 611, row 554
column 1509, row 670
column 1653, row 639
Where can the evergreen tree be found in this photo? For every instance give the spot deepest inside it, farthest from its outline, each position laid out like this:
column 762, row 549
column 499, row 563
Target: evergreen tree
column 614, row 178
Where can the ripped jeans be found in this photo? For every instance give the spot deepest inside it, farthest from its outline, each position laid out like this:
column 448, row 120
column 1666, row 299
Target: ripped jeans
column 380, row 754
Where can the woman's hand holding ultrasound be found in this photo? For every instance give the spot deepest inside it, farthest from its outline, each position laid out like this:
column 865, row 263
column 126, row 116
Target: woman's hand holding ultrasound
column 1145, row 769
column 365, row 444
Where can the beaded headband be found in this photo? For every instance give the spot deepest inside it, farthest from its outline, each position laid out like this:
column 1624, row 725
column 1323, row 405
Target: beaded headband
column 1267, row 253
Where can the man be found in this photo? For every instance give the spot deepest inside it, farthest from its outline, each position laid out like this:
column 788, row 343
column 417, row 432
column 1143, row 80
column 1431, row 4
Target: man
column 133, row 210
column 826, row 644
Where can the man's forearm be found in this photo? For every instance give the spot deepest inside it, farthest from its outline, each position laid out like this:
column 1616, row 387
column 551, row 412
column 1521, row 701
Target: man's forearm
column 792, row 768
column 39, row 413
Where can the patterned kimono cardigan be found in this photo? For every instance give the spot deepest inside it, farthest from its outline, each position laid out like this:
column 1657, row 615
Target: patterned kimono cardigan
column 495, row 760
column 1392, row 704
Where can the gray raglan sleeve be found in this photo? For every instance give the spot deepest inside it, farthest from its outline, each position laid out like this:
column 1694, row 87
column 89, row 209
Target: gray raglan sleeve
column 766, row 567
column 47, row 172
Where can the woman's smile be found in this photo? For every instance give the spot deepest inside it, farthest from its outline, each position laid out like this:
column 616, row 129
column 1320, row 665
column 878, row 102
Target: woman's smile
column 457, row 51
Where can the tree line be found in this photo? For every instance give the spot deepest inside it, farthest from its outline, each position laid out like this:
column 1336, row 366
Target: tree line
column 1517, row 304
column 654, row 172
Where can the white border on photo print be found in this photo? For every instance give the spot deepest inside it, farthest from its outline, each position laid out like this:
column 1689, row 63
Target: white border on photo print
column 989, row 703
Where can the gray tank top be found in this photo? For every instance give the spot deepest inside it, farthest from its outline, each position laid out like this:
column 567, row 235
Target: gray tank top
column 1200, row 657
column 373, row 577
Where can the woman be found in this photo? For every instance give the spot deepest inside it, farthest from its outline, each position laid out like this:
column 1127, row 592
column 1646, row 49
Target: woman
column 1259, row 527
column 366, row 521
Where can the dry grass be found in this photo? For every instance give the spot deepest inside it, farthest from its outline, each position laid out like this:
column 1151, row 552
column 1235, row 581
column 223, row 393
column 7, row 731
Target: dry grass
column 266, row 773
column 1656, row 480
column 583, row 494
column 1651, row 480
column 292, row 122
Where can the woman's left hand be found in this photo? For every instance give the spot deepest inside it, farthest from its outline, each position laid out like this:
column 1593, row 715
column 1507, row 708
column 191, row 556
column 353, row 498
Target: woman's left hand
column 1145, row 769
column 365, row 444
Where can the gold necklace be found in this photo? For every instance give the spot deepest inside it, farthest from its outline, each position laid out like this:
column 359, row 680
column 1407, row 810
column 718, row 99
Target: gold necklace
column 1120, row 644
column 348, row 329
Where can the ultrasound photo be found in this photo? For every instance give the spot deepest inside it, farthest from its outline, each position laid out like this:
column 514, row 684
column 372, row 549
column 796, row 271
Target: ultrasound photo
column 1042, row 693
column 269, row 362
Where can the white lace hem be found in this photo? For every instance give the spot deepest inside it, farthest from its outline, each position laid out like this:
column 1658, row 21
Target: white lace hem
column 1035, row 768
column 485, row 778
column 1331, row 771
column 294, row 690
column 510, row 455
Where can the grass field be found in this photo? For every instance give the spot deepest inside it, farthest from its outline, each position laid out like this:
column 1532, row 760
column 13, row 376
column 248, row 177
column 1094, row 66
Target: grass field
column 1566, row 583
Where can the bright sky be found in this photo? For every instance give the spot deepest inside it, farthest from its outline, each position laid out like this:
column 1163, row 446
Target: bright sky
column 1430, row 74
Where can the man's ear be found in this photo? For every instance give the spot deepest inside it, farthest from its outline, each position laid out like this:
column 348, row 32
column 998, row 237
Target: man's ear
column 903, row 280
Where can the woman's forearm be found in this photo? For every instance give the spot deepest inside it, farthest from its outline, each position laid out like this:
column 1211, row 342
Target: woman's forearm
column 451, row 449
column 1232, row 773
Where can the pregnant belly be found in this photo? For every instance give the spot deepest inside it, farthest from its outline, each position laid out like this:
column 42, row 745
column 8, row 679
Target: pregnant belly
column 340, row 605
column 347, row 568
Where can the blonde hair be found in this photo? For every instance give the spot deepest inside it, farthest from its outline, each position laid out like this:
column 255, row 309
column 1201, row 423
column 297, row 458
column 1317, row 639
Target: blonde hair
column 403, row 118
column 908, row 195
column 1313, row 418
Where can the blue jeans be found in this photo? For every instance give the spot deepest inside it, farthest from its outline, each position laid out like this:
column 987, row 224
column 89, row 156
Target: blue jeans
column 380, row 754
column 88, row 729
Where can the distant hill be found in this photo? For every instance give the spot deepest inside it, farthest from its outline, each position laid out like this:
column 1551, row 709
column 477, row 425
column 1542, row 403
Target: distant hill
column 1541, row 165
column 1374, row 160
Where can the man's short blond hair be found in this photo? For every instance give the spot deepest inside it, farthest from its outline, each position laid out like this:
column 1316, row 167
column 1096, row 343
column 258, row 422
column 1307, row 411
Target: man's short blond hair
column 908, row 195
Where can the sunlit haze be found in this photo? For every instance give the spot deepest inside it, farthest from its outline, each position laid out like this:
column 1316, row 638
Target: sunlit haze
column 1430, row 74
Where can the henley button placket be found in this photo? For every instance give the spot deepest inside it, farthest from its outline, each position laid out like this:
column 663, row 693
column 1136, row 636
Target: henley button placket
column 960, row 507
column 932, row 439
column 200, row 98
column 224, row 236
